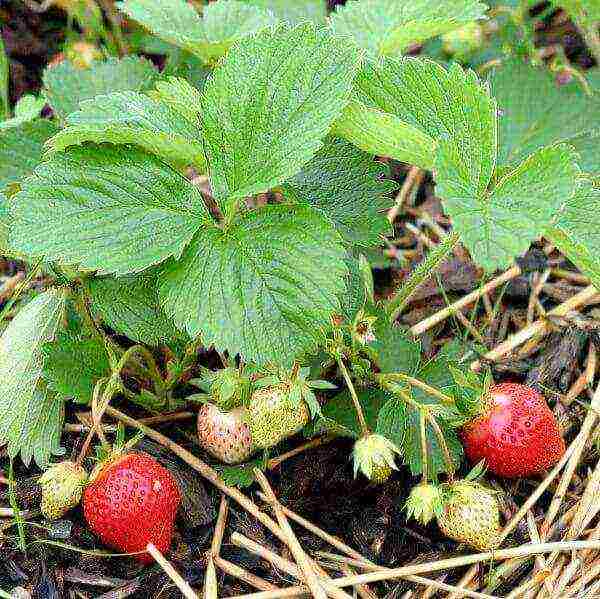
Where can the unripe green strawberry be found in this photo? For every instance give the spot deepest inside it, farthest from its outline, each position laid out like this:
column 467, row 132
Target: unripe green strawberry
column 62, row 486
column 424, row 503
column 225, row 435
column 374, row 456
column 471, row 515
column 275, row 416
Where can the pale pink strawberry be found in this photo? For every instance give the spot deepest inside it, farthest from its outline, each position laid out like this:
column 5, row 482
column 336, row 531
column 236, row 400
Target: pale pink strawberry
column 225, row 435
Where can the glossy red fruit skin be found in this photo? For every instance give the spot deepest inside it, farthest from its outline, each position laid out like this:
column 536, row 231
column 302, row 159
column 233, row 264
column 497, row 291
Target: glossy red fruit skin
column 132, row 502
column 518, row 435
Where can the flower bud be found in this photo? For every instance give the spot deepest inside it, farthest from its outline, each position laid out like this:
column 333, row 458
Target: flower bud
column 374, row 456
column 424, row 503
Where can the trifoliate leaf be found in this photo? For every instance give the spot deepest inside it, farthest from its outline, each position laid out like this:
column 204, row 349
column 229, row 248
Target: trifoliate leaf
column 296, row 11
column 384, row 134
column 263, row 286
column 114, row 209
column 27, row 411
column 65, row 85
column 210, row 36
column 349, row 187
column 523, row 200
column 339, row 415
column 269, row 104
column 387, row 27
column 577, row 234
column 535, row 112
column 21, row 149
column 27, row 109
column 130, row 306
column 133, row 118
column 73, row 363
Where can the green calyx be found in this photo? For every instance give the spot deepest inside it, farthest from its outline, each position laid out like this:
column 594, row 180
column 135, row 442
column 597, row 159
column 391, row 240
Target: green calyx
column 227, row 388
column 374, row 455
column 62, row 486
column 296, row 388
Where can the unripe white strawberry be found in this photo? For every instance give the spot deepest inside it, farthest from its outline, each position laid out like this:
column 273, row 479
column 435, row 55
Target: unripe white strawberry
column 225, row 434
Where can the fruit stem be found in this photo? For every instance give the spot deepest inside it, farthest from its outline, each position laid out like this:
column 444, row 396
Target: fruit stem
column 425, row 414
column 359, row 411
column 424, row 453
column 111, row 386
column 423, row 386
column 444, row 446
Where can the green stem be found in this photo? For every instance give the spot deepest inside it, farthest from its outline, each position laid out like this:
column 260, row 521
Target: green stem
column 425, row 414
column 12, row 499
column 423, row 386
column 443, row 445
column 359, row 411
column 424, row 452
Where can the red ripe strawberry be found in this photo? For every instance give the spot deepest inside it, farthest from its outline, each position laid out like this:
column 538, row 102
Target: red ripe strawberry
column 132, row 501
column 225, row 435
column 516, row 433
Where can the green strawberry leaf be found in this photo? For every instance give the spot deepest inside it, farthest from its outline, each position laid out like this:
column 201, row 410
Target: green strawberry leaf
column 348, row 186
column 114, row 209
column 400, row 423
column 208, row 37
column 130, row 306
column 30, row 415
column 395, row 351
column 524, row 199
column 576, row 234
column 450, row 106
column 264, row 286
column 269, row 104
column 339, row 416
column 535, row 112
column 133, row 118
column 73, row 363
column 65, row 85
column 181, row 96
column 27, row 109
column 355, row 295
column 296, row 11
column 38, row 439
column 243, row 475
column 384, row 134
column 21, row 149
column 387, row 27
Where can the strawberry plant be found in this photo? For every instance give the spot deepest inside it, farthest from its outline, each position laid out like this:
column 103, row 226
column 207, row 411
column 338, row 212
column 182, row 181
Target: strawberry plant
column 231, row 202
